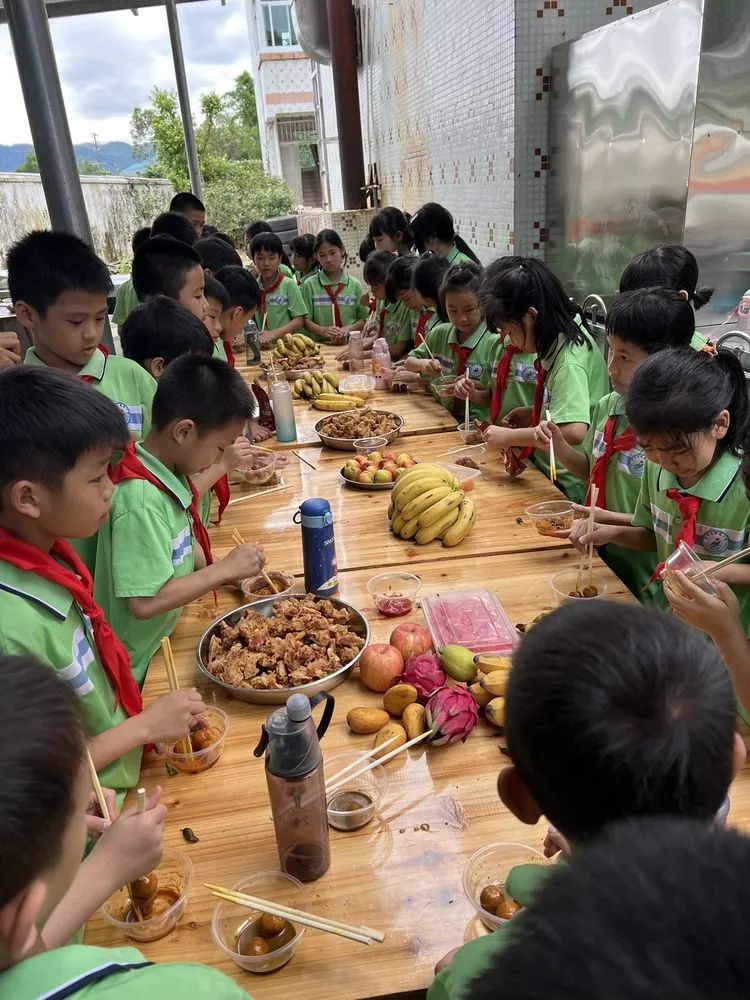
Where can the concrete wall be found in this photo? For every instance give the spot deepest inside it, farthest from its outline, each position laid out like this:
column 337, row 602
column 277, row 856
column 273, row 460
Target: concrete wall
column 116, row 206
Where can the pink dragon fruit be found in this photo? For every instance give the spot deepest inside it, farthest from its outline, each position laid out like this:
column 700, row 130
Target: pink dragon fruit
column 424, row 673
column 451, row 714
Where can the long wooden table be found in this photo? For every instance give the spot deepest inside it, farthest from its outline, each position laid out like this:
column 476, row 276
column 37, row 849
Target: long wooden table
column 402, row 873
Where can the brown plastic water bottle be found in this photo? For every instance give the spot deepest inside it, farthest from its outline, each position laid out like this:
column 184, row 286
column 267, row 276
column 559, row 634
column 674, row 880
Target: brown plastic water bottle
column 296, row 787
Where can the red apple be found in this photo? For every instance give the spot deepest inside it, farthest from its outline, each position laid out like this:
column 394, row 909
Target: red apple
column 411, row 640
column 390, row 456
column 379, row 666
column 383, row 476
column 391, row 467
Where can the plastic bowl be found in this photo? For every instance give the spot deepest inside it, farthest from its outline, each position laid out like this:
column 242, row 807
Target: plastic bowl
column 261, row 469
column 490, row 866
column 198, row 760
column 551, row 516
column 365, row 446
column 564, row 585
column 175, row 874
column 471, row 436
column 251, row 587
column 357, row 385
column 342, row 803
column 443, row 386
column 230, row 920
column 389, row 587
column 685, row 560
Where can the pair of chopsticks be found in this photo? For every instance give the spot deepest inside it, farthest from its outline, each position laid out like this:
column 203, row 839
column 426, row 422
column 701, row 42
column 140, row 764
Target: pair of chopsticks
column 262, row 493
column 713, row 570
column 174, row 684
column 98, row 791
column 589, row 553
column 239, row 540
column 344, row 778
column 552, row 466
column 297, row 455
column 455, row 451
column 364, row 935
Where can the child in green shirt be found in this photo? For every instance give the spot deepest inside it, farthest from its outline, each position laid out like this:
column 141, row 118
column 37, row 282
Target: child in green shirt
column 639, row 324
column 390, row 232
column 261, row 226
column 525, row 302
column 44, row 801
column 591, row 743
column 126, row 299
column 166, row 266
column 434, row 232
column 160, row 330
column 154, row 555
column 56, row 442
column 187, row 204
column 282, row 308
column 331, row 296
column 302, row 249
column 243, row 298
column 216, row 302
column 392, row 319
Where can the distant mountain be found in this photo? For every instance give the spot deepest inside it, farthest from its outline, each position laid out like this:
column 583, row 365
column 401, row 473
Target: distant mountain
column 116, row 157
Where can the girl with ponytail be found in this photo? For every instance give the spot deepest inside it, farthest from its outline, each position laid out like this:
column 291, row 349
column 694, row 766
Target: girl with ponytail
column 432, row 229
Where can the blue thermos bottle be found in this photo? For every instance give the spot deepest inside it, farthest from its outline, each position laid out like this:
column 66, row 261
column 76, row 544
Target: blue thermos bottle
column 318, row 547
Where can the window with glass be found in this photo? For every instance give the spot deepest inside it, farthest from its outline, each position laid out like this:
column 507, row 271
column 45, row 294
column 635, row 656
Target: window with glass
column 278, row 30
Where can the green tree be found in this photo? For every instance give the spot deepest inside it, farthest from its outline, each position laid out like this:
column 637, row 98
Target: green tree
column 85, row 167
column 29, row 165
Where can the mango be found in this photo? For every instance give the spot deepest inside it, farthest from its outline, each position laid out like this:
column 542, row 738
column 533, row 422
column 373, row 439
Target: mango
column 398, row 697
column 458, row 663
column 366, row 720
column 386, row 733
column 414, row 720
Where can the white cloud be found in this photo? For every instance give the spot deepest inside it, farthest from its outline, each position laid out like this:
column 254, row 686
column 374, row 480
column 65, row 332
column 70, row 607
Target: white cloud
column 108, row 64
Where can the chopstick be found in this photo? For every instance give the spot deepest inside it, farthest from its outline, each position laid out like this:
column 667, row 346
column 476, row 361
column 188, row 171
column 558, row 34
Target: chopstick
column 552, row 468
column 174, row 684
column 364, row 935
column 141, row 794
column 254, row 496
column 712, row 570
column 454, row 451
column 382, row 760
column 297, row 455
column 360, row 760
column 466, row 416
column 239, row 540
column 589, row 553
column 96, row 785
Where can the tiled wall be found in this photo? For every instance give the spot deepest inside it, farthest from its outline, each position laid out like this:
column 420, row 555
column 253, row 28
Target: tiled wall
column 352, row 227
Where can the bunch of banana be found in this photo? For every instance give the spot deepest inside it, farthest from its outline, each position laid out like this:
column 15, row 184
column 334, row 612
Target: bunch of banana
column 313, row 384
column 295, row 346
column 335, row 402
column 427, row 503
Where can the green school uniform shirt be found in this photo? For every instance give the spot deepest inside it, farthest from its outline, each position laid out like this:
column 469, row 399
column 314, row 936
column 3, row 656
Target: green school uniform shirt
column 318, row 302
column 282, row 305
column 454, row 981
column 479, row 364
column 41, row 619
column 624, row 474
column 432, row 322
column 125, row 302
column 45, row 974
column 396, row 322
column 457, row 256
column 286, row 270
column 576, row 380
column 147, row 541
column 721, row 522
column 302, row 278
column 219, row 350
column 521, row 380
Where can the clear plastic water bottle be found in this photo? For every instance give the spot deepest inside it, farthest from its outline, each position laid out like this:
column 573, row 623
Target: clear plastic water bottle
column 356, row 353
column 743, row 313
column 381, row 364
column 283, row 411
column 252, row 344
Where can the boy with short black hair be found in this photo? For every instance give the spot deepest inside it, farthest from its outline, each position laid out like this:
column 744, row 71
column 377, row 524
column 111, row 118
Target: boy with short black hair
column 166, row 266
column 243, row 296
column 59, row 289
column 192, row 208
column 161, row 330
column 215, row 254
column 44, row 797
column 56, row 441
column 611, row 712
column 282, row 309
column 154, row 555
column 217, row 301
column 126, row 299
column 175, row 225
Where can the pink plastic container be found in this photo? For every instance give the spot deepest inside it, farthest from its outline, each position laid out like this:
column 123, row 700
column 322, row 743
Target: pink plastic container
column 471, row 618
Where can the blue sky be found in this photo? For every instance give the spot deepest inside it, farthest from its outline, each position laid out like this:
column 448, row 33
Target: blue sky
column 108, row 63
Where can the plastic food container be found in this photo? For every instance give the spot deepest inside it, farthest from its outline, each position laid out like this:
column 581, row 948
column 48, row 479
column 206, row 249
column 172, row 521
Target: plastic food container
column 261, row 469
column 471, row 618
column 463, row 473
column 394, row 594
column 198, row 760
column 551, row 516
column 471, row 436
column 257, row 587
column 358, row 385
column 685, row 560
column 233, row 926
column 443, row 386
column 355, row 802
column 174, row 874
column 366, row 446
column 490, row 866
column 565, row 586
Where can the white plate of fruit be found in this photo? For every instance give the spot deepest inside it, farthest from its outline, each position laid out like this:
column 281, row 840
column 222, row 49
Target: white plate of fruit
column 376, row 471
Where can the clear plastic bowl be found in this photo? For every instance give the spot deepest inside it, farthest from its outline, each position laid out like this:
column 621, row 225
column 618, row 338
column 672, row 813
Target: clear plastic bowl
column 365, row 446
column 175, row 875
column 373, row 785
column 464, row 473
column 284, row 581
column 472, row 436
column 686, row 561
column 564, row 584
column 230, row 920
column 357, row 385
column 389, row 586
column 198, row 760
column 262, row 468
column 551, row 516
column 443, row 386
column 490, row 866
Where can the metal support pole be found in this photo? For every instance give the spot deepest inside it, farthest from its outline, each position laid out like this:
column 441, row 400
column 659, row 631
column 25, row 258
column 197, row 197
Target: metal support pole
column 342, row 36
column 50, row 132
column 183, row 95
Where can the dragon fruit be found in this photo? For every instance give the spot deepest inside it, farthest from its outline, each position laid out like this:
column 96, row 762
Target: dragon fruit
column 424, row 673
column 451, row 714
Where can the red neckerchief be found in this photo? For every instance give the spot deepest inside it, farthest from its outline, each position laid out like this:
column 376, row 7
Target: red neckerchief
column 220, row 490
column 536, row 409
column 688, row 506
column 90, row 378
column 462, row 354
column 612, row 445
column 501, row 381
column 131, row 467
column 333, row 294
column 264, row 292
column 229, row 352
column 424, row 318
column 76, row 579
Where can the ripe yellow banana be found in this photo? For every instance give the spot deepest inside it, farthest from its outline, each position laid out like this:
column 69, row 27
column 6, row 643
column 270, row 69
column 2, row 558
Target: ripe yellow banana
column 435, row 530
column 495, row 682
column 308, row 390
column 415, row 472
column 306, row 340
column 281, row 350
column 488, row 662
column 397, row 524
column 409, row 529
column 333, row 397
column 331, row 379
column 334, row 405
column 441, row 508
column 464, row 523
column 307, row 378
column 415, row 489
column 424, row 501
column 495, row 712
column 480, row 696
column 300, row 344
